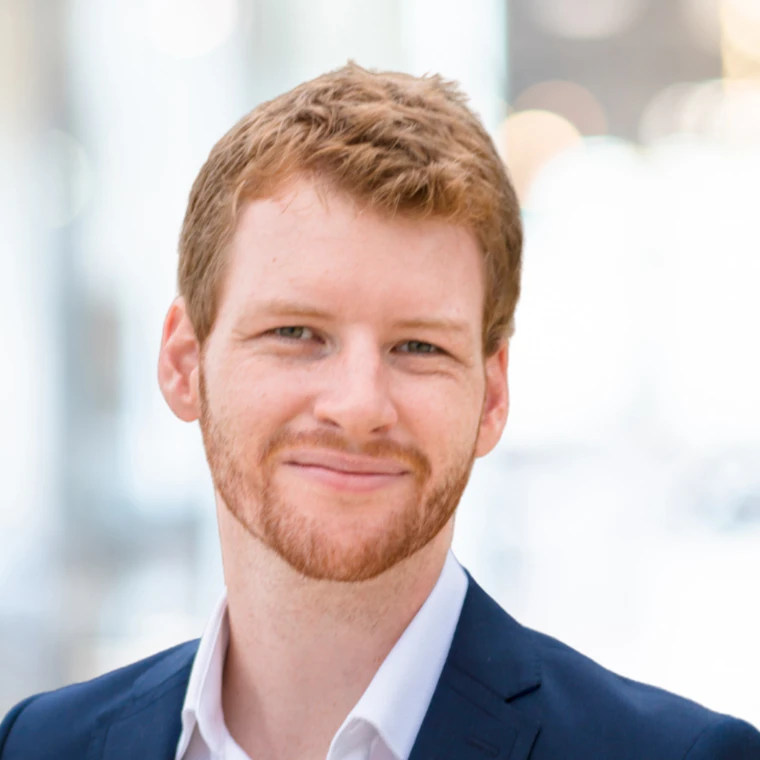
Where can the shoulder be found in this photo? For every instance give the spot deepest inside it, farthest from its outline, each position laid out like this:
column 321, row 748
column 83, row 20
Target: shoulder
column 579, row 697
column 580, row 709
column 70, row 716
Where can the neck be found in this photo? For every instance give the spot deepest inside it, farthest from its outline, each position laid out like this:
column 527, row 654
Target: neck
column 301, row 651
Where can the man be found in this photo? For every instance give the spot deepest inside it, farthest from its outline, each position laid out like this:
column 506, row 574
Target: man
column 348, row 276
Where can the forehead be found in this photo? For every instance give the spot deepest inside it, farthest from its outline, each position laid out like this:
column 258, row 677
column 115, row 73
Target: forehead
column 313, row 244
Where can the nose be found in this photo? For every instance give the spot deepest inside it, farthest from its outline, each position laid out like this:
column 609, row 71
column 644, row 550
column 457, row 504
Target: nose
column 355, row 395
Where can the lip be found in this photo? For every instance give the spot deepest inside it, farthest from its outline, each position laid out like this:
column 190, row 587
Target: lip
column 346, row 472
column 346, row 463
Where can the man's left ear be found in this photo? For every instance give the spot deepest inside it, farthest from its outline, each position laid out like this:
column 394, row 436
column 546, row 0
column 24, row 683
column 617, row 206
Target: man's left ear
column 496, row 405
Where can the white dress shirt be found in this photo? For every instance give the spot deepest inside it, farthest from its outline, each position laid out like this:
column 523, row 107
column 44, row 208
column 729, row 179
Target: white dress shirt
column 384, row 722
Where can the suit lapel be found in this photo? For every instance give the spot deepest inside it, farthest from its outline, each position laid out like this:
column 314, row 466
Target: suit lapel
column 491, row 662
column 148, row 728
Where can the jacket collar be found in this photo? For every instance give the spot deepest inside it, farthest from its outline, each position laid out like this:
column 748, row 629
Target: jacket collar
column 493, row 647
column 149, row 726
column 492, row 661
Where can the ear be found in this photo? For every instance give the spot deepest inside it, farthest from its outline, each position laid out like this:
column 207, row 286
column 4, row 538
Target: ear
column 496, row 404
column 178, row 363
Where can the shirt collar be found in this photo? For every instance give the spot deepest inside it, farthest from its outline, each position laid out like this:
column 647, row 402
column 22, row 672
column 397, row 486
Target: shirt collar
column 399, row 695
column 202, row 707
column 393, row 705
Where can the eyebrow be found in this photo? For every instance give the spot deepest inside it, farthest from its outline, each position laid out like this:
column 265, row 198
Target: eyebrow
column 440, row 324
column 280, row 307
column 285, row 308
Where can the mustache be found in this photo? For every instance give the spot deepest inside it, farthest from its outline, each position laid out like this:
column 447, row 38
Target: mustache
column 411, row 456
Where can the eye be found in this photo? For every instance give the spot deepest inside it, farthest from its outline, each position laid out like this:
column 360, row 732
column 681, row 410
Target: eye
column 294, row 332
column 418, row 347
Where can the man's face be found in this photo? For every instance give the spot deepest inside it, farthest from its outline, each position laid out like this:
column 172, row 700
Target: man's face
column 343, row 393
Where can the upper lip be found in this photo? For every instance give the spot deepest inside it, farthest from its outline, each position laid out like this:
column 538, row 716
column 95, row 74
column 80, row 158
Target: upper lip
column 350, row 463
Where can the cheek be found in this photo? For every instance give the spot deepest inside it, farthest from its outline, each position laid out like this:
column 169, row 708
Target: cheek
column 248, row 400
column 443, row 418
column 255, row 391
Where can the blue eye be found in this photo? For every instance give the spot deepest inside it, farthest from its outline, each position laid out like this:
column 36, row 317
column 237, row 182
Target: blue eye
column 295, row 332
column 418, row 347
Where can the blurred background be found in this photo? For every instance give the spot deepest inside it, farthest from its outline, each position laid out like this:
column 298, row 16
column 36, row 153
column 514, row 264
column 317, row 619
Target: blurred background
column 621, row 512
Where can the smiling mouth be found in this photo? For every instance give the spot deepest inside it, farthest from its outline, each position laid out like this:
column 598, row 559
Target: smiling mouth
column 346, row 472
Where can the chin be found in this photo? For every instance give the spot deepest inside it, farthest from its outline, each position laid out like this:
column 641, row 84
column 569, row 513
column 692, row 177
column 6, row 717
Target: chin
column 340, row 548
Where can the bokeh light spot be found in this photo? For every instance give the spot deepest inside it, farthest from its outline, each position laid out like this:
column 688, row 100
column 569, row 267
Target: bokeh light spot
column 723, row 110
column 527, row 140
column 568, row 99
column 702, row 20
column 740, row 22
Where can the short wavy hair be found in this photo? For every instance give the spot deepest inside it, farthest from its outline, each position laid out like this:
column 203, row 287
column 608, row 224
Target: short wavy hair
column 398, row 143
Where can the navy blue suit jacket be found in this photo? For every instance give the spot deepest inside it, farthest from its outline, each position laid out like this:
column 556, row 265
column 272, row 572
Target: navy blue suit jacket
column 506, row 693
